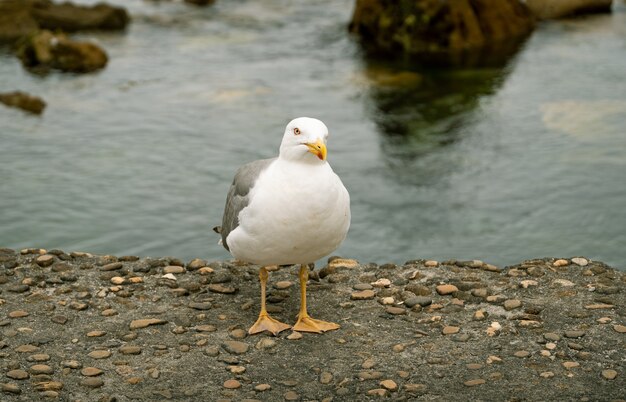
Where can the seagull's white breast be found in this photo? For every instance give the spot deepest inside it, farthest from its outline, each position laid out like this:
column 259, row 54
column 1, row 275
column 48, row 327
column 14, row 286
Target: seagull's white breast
column 298, row 213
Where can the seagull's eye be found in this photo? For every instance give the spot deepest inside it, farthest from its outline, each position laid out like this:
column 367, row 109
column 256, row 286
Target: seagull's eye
column 297, row 131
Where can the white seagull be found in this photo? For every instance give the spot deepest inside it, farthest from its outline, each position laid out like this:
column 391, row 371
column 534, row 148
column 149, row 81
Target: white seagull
column 292, row 209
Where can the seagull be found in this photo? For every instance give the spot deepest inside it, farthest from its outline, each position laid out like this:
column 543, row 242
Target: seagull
column 288, row 210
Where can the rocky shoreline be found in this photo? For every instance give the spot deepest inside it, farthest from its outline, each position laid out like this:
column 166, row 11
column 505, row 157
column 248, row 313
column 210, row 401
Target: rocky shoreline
column 82, row 327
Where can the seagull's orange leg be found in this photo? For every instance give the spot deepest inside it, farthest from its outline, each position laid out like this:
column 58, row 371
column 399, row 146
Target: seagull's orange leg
column 305, row 323
column 265, row 322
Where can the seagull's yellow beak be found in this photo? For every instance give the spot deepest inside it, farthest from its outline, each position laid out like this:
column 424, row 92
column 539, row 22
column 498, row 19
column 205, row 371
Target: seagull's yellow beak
column 317, row 148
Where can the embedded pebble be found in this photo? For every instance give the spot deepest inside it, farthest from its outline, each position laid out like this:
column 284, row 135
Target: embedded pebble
column 446, row 289
column 381, row 283
column 99, row 354
column 283, row 285
column 580, row 261
column 560, row 263
column 609, row 374
column 18, row 314
column 92, row 382
column 395, row 310
column 262, row 387
column 528, row 283
column 130, row 350
column 363, row 295
column 232, row 384
column 475, row 382
column 291, row 396
column 574, row 334
column 512, row 304
column 143, row 323
column 620, row 328
column 45, row 260
column 235, row 347
column 448, row 330
column 91, row 371
column 521, row 353
column 41, row 369
column 10, row 388
column 570, row 365
column 18, row 374
column 295, row 335
column 389, row 385
column 380, row 392
column 563, row 282
column 40, row 357
column 173, row 269
column 326, row 377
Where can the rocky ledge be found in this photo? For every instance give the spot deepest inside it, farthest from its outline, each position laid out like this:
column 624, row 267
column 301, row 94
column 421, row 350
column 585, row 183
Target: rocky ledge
column 102, row 328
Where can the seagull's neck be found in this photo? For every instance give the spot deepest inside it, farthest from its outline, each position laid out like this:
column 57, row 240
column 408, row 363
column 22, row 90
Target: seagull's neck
column 307, row 160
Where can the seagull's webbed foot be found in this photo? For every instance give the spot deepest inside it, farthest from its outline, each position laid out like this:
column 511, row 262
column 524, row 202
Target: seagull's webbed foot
column 267, row 323
column 308, row 324
column 305, row 323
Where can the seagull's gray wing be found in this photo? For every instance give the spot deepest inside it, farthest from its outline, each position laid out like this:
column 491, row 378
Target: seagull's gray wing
column 238, row 195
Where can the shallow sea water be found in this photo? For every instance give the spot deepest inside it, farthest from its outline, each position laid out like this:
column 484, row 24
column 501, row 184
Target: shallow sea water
column 498, row 164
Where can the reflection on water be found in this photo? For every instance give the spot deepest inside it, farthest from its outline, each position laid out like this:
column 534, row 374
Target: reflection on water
column 421, row 114
column 496, row 163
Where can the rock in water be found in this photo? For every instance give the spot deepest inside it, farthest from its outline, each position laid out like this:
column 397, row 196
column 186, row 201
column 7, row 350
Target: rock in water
column 47, row 50
column 15, row 21
column 20, row 18
column 549, row 9
column 70, row 17
column 431, row 27
column 23, row 101
column 200, row 2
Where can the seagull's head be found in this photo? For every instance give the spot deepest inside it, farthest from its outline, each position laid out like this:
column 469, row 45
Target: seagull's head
column 305, row 140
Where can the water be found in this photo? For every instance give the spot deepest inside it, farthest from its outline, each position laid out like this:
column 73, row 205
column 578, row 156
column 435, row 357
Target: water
column 499, row 164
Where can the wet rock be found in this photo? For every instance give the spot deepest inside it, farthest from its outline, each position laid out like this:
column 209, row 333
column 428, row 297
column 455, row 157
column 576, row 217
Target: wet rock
column 436, row 28
column 16, row 20
column 45, row 50
column 200, row 2
column 69, row 17
column 24, row 101
column 551, row 9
